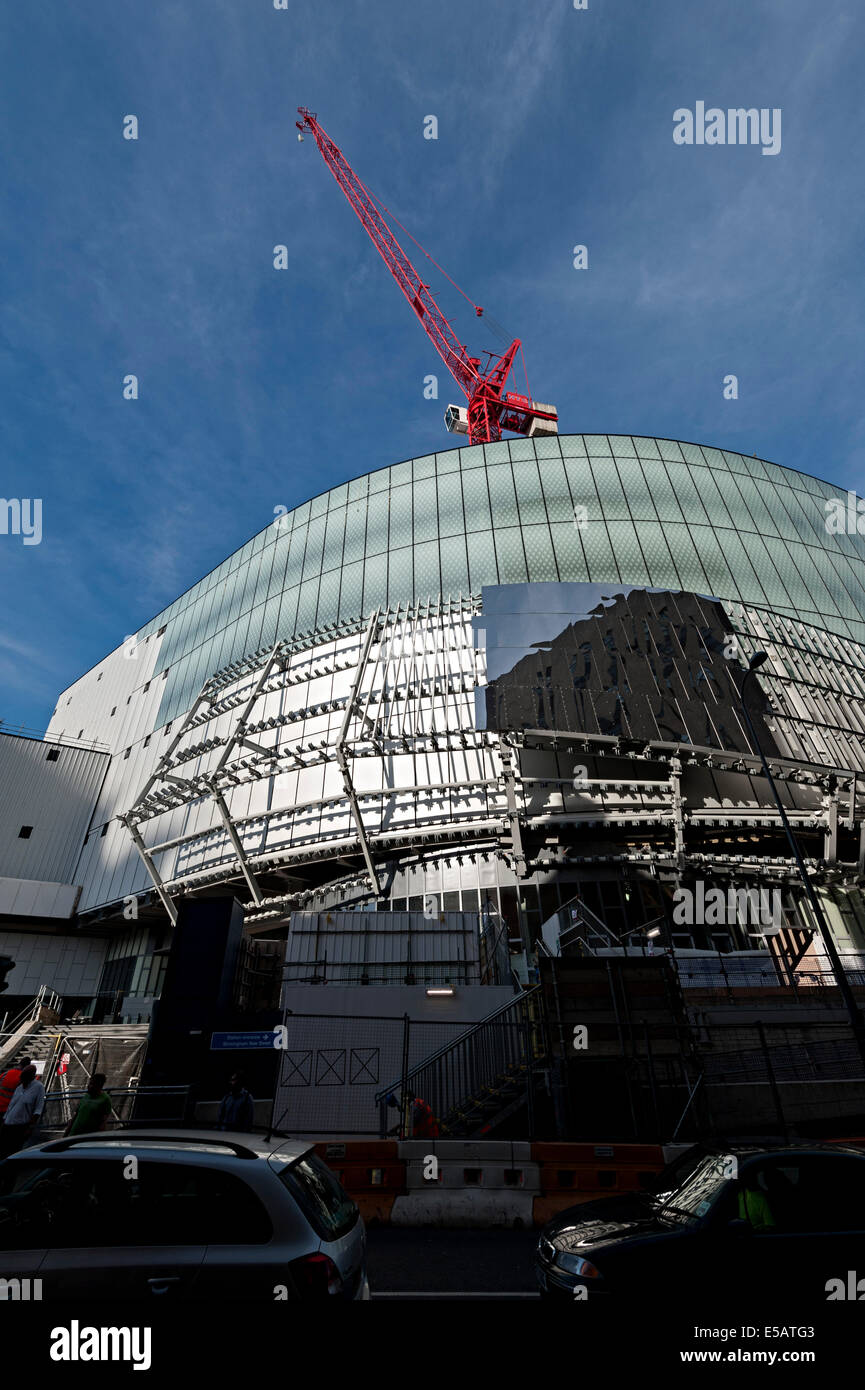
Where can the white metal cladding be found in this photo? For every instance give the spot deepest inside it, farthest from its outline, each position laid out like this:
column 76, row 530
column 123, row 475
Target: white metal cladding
column 68, row 964
column 55, row 796
column 343, row 946
column 418, row 764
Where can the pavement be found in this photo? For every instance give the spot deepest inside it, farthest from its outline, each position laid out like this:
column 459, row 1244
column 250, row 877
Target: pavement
column 431, row 1263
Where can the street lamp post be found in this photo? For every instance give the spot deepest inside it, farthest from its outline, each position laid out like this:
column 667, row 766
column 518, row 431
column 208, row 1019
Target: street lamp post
column 850, row 1004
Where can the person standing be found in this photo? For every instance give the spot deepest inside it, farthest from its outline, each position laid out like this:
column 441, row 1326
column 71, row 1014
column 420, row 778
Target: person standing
column 93, row 1109
column 23, row 1112
column 8, row 1082
column 237, row 1108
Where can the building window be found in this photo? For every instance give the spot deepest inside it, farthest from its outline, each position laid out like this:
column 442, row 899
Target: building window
column 146, row 741
column 160, row 632
column 166, row 730
column 99, row 677
column 25, row 832
column 146, row 688
column 80, row 733
column 104, row 830
column 114, row 711
column 165, row 672
column 126, row 754
column 52, row 755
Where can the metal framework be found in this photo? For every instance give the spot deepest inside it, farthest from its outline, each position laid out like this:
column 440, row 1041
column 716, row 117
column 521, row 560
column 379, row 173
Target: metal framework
column 402, row 684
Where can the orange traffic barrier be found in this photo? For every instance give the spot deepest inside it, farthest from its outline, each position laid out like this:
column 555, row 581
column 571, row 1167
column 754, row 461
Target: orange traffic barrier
column 371, row 1172
column 574, row 1173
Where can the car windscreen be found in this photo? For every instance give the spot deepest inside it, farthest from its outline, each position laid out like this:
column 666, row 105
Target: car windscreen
column 701, row 1188
column 320, row 1196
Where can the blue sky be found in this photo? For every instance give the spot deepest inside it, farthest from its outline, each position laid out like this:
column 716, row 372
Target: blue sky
column 260, row 387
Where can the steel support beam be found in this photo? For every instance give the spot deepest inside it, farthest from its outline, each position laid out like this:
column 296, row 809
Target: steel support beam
column 238, row 847
column 151, row 868
column 340, row 754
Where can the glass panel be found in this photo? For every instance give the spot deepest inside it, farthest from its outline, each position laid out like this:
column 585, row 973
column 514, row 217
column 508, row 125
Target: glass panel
column 355, row 532
column 569, row 551
column 448, row 462
column 400, row 577
column 635, row 490
column 450, row 506
column 454, row 563
column 374, row 582
column 539, row 554
column 530, row 498
column 427, row 577
column 425, row 511
column 502, row 497
column 351, row 591
column 632, row 567
column 482, row 560
column 609, row 488
column 509, row 552
column 557, row 494
column 332, row 551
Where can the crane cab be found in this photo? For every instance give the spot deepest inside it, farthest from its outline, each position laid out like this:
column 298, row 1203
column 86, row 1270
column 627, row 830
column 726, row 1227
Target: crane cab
column 457, row 419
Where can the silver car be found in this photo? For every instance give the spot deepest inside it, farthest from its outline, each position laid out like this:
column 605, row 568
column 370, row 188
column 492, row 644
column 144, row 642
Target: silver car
column 180, row 1214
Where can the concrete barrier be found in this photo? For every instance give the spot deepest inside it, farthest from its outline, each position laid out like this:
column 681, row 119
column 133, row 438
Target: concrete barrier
column 482, row 1183
column 455, row 1182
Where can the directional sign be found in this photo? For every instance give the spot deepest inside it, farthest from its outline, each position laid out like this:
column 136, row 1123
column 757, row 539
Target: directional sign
column 241, row 1042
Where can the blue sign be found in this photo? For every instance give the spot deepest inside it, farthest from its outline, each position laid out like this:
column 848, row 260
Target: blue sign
column 238, row 1042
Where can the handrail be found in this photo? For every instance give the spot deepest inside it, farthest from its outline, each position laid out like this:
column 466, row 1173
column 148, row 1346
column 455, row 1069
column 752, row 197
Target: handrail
column 31, row 1010
column 449, row 1047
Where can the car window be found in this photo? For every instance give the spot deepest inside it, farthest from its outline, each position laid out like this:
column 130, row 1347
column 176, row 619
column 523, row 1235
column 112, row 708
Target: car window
column 321, row 1197
column 808, row 1193
column 77, row 1203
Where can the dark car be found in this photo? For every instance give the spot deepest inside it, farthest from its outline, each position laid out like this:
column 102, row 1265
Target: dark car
column 739, row 1222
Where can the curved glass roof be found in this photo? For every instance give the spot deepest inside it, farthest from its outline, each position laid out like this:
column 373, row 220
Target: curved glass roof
column 649, row 511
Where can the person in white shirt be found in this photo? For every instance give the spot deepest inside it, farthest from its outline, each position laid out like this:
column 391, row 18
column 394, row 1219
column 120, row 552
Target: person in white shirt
column 23, row 1112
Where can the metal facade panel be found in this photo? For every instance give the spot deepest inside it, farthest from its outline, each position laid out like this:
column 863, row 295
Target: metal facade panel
column 56, row 798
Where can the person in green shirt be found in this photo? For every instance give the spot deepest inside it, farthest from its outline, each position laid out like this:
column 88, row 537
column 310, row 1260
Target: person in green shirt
column 93, row 1109
column 754, row 1204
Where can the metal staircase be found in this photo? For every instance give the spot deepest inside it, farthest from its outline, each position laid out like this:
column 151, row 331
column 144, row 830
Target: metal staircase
column 484, row 1076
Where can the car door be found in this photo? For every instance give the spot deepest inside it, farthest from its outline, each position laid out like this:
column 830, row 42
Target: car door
column 816, row 1205
column 128, row 1230
column 23, row 1229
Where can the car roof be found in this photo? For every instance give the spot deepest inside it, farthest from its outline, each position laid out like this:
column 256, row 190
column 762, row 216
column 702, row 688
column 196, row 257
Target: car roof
column 180, row 1141
column 802, row 1146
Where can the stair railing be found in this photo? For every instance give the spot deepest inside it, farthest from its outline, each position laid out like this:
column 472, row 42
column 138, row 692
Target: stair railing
column 503, row 1043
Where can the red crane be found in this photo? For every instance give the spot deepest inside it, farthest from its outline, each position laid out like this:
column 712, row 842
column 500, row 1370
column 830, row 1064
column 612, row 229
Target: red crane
column 490, row 408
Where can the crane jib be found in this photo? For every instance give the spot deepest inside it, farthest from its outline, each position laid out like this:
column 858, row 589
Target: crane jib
column 490, row 408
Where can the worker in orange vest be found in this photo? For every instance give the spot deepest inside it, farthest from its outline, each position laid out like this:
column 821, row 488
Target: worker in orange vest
column 8, row 1082
column 424, row 1124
